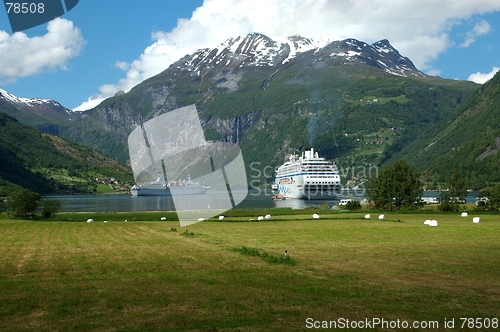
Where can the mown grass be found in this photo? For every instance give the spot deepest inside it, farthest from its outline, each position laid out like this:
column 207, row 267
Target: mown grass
column 142, row 275
column 269, row 258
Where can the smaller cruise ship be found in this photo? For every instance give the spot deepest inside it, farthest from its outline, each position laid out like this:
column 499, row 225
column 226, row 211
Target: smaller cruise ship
column 160, row 188
column 308, row 177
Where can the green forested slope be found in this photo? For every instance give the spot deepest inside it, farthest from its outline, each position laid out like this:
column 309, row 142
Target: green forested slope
column 45, row 163
column 467, row 141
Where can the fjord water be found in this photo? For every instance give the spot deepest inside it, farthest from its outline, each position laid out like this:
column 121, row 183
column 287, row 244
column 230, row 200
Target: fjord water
column 128, row 203
column 254, row 199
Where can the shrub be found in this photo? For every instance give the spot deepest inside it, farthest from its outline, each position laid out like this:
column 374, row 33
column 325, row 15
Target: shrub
column 353, row 205
column 268, row 258
column 50, row 208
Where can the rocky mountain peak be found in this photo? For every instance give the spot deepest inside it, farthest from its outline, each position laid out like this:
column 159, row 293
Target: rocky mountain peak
column 384, row 44
column 257, row 50
column 24, row 102
column 40, row 112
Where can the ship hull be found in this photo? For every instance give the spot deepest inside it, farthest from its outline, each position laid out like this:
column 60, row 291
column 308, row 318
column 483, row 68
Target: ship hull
column 297, row 187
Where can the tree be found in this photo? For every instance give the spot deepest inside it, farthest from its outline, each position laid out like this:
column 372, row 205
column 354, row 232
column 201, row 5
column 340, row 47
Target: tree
column 396, row 187
column 452, row 199
column 22, row 203
column 50, row 208
column 492, row 203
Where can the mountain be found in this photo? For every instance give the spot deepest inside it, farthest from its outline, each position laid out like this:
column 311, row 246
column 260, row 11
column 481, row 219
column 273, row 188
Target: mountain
column 256, row 50
column 46, row 164
column 357, row 103
column 467, row 141
column 44, row 114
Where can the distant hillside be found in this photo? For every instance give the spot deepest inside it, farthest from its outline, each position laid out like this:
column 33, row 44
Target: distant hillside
column 48, row 164
column 468, row 141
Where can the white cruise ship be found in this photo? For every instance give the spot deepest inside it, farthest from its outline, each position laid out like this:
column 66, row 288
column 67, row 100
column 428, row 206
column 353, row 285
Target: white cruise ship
column 159, row 188
column 308, row 177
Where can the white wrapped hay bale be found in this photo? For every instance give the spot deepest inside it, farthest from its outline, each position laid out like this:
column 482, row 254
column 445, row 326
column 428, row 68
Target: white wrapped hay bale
column 90, row 220
column 221, row 217
column 260, row 218
column 200, row 219
column 427, row 222
column 381, row 217
column 476, row 220
column 268, row 216
column 433, row 223
column 316, row 216
column 367, row 216
column 464, row 214
column 163, row 218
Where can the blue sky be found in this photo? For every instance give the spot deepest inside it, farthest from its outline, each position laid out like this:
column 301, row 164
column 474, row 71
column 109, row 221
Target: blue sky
column 103, row 46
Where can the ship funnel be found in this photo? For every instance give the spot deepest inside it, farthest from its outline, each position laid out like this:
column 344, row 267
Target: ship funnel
column 309, row 153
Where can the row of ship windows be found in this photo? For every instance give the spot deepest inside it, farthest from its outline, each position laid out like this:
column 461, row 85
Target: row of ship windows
column 327, row 168
column 317, row 164
column 320, row 176
column 298, row 171
column 318, row 167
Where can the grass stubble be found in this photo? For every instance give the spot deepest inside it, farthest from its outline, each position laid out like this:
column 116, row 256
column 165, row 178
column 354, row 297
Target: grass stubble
column 225, row 276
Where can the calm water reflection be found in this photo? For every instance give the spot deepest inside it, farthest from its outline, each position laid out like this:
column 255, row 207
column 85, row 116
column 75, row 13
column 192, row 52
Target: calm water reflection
column 128, row 203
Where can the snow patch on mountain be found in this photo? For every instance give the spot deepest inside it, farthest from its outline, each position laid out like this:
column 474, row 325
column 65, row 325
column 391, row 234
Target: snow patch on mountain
column 298, row 44
column 349, row 54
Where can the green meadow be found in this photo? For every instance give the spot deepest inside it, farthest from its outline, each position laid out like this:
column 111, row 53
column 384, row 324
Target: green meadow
column 231, row 275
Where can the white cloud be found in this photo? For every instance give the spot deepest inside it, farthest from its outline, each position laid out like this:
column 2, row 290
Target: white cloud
column 418, row 29
column 481, row 28
column 21, row 56
column 91, row 102
column 483, row 78
column 122, row 65
column 434, row 72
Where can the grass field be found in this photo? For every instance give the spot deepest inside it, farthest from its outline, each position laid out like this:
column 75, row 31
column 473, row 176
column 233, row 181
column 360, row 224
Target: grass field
column 151, row 275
